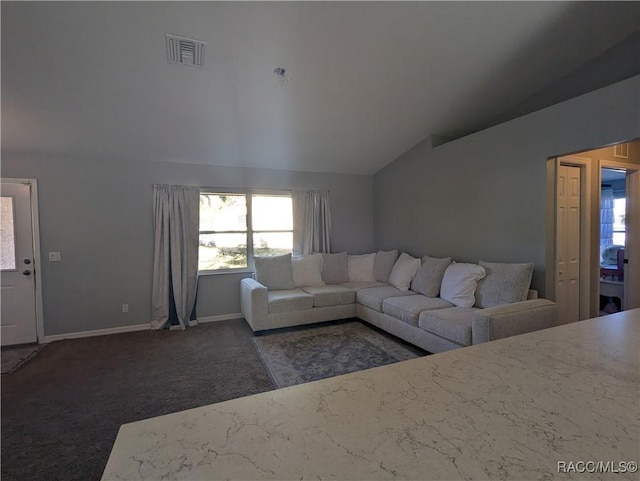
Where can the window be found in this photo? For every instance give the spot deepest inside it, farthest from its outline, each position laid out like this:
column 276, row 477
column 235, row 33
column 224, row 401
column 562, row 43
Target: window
column 236, row 226
column 619, row 229
column 8, row 235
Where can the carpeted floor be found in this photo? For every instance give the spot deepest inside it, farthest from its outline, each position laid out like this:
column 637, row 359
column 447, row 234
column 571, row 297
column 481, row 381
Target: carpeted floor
column 324, row 351
column 14, row 357
column 62, row 410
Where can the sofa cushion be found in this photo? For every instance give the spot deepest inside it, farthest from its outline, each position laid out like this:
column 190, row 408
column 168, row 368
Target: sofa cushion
column 383, row 264
column 361, row 268
column 307, row 270
column 374, row 296
column 289, row 300
column 356, row 286
column 403, row 272
column 275, row 272
column 331, row 295
column 335, row 268
column 504, row 284
column 459, row 283
column 408, row 308
column 429, row 277
column 454, row 323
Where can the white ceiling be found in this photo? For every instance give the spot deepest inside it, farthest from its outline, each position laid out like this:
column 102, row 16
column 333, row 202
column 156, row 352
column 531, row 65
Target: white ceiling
column 367, row 80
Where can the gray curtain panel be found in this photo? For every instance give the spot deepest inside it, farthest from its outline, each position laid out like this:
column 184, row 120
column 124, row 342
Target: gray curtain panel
column 176, row 211
column 311, row 221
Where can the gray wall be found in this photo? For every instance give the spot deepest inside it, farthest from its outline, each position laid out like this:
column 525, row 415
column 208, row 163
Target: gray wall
column 98, row 214
column 483, row 196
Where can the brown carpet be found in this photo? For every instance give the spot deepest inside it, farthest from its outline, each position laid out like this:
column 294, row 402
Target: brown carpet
column 62, row 410
column 14, row 357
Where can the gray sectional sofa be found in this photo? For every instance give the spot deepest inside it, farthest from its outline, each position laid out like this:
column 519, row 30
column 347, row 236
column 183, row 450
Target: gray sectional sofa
column 435, row 304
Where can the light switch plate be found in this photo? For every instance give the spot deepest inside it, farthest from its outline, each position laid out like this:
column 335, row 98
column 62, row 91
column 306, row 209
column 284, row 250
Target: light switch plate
column 54, row 257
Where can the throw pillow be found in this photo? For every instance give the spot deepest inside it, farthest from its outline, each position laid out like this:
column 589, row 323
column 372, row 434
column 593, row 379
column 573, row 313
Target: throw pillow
column 504, row 284
column 383, row 264
column 361, row 268
column 307, row 270
column 459, row 283
column 429, row 277
column 403, row 272
column 275, row 272
column 335, row 268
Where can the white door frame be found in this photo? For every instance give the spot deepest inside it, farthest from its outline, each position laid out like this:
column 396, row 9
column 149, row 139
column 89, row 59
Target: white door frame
column 37, row 264
column 632, row 269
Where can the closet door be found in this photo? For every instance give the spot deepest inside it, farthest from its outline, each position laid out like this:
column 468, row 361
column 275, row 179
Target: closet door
column 568, row 243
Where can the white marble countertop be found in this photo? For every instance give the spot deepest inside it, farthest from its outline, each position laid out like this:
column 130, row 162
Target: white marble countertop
column 508, row 409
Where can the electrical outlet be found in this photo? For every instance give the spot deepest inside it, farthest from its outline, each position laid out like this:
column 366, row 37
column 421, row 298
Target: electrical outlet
column 125, row 307
column 54, row 257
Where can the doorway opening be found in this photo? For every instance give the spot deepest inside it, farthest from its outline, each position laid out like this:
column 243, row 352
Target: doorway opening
column 613, row 206
column 593, row 231
column 21, row 320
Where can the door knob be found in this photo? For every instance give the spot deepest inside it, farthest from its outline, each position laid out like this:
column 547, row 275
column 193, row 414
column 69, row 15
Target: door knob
column 27, row 261
column 26, row 272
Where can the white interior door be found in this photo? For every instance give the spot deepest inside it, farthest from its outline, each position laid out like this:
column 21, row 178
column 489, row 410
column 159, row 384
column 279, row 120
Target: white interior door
column 568, row 243
column 18, row 311
column 632, row 247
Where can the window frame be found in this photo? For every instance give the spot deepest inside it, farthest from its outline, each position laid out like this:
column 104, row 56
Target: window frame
column 249, row 232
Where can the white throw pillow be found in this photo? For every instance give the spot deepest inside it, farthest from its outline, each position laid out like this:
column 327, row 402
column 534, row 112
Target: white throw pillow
column 307, row 270
column 403, row 272
column 361, row 268
column 459, row 283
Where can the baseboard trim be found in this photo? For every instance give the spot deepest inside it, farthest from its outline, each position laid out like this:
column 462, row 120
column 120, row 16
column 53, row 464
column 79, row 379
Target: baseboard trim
column 137, row 327
column 222, row 317
column 97, row 332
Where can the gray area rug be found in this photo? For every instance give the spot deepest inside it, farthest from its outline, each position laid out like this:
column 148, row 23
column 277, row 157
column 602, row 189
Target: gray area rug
column 300, row 356
column 14, row 357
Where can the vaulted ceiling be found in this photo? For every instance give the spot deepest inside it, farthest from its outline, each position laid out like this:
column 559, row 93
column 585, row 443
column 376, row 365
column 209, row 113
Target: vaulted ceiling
column 365, row 80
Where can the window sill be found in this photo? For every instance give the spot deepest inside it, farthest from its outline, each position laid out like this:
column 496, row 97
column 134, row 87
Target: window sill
column 225, row 272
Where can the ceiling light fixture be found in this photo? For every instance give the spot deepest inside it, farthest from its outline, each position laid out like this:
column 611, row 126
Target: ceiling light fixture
column 281, row 75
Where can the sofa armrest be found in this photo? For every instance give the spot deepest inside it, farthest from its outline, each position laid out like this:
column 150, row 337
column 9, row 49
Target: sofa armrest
column 253, row 303
column 512, row 319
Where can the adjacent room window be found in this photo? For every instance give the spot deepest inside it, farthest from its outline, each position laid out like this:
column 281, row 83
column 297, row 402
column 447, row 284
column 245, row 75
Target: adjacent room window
column 619, row 213
column 235, row 227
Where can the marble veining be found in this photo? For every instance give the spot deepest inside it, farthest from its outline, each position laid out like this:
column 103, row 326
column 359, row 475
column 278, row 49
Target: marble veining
column 508, row 409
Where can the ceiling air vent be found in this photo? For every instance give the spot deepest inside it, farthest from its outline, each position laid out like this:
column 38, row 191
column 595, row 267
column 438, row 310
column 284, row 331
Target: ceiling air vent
column 185, row 51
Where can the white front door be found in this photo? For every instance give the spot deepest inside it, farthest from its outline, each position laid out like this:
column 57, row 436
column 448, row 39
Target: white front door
column 18, row 312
